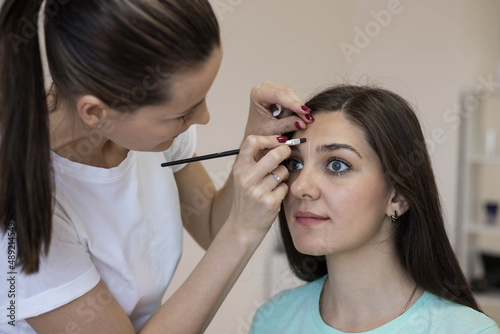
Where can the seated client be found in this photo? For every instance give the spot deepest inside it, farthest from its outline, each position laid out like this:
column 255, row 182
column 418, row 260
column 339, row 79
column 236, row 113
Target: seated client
column 362, row 223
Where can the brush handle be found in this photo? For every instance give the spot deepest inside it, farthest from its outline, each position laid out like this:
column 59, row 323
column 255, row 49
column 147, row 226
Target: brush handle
column 291, row 142
column 201, row 157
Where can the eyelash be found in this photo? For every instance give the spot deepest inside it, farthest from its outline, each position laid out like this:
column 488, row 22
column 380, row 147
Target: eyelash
column 332, row 159
column 190, row 113
column 347, row 170
column 186, row 116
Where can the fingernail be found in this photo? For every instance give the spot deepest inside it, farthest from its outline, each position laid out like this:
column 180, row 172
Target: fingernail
column 306, row 109
column 282, row 139
column 310, row 118
column 277, row 134
column 297, row 124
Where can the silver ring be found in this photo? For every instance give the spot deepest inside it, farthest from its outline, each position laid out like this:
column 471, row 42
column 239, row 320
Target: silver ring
column 276, row 177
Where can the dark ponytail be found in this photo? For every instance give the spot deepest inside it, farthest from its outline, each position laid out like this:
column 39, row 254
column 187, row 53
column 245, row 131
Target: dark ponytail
column 124, row 52
column 25, row 169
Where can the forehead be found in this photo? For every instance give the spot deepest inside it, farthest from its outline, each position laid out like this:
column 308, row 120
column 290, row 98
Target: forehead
column 332, row 127
column 190, row 86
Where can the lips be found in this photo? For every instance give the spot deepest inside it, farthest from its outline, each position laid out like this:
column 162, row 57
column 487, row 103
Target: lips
column 308, row 218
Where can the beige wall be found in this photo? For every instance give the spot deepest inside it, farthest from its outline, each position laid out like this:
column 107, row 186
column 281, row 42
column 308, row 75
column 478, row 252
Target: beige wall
column 429, row 51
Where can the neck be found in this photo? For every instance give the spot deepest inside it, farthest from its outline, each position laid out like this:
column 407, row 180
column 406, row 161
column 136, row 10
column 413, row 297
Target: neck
column 74, row 140
column 365, row 288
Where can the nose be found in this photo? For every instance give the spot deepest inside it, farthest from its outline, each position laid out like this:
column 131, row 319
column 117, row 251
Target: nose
column 202, row 115
column 305, row 184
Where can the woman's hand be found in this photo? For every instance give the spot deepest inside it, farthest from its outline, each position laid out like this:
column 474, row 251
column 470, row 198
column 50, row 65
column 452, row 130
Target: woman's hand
column 264, row 98
column 258, row 181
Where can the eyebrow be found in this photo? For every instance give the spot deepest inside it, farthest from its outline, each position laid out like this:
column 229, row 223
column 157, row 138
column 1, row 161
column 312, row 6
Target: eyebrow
column 333, row 147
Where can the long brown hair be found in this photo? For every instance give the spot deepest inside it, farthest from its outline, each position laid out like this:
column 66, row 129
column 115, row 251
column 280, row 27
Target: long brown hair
column 393, row 131
column 122, row 51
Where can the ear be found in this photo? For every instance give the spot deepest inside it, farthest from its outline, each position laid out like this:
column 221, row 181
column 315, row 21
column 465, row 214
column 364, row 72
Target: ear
column 398, row 203
column 91, row 110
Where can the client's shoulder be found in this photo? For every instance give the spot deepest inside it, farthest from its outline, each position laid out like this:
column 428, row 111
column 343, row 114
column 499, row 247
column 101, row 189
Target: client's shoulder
column 289, row 299
column 288, row 308
column 444, row 313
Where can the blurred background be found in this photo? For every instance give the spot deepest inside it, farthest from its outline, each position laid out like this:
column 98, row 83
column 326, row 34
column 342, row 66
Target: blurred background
column 442, row 56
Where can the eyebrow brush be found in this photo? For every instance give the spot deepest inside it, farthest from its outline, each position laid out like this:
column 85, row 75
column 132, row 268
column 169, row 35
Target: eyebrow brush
column 291, row 142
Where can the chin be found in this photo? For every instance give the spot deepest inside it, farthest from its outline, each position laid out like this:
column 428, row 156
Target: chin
column 158, row 148
column 164, row 147
column 309, row 246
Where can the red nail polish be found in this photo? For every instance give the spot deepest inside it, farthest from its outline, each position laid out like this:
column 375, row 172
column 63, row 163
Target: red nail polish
column 282, row 139
column 297, row 124
column 306, row 109
column 310, row 118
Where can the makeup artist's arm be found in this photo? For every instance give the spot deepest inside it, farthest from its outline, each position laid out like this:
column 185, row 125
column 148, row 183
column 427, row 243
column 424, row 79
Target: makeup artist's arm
column 190, row 309
column 204, row 209
column 255, row 205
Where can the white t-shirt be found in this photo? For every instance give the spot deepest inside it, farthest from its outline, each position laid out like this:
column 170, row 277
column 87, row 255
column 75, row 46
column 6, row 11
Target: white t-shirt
column 120, row 225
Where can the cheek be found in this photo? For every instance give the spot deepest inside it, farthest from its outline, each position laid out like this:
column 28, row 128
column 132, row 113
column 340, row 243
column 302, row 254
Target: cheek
column 363, row 200
column 141, row 136
column 289, row 202
column 156, row 131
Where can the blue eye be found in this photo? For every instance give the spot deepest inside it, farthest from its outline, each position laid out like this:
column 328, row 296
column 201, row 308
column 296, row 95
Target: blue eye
column 337, row 166
column 293, row 165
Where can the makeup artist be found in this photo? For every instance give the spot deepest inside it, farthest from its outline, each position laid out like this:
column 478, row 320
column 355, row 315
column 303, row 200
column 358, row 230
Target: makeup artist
column 91, row 223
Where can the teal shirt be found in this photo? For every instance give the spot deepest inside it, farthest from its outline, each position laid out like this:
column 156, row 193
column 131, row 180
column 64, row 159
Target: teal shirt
column 296, row 311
